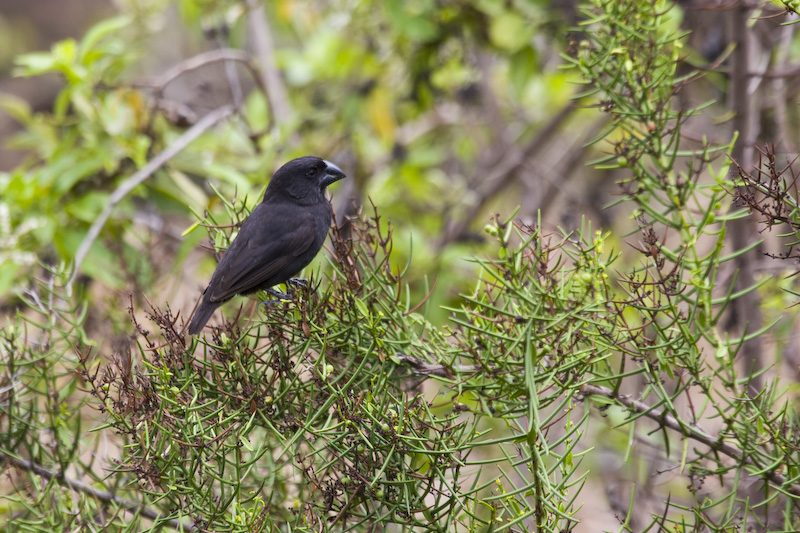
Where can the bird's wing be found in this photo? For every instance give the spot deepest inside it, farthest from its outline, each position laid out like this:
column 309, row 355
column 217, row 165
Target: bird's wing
column 254, row 257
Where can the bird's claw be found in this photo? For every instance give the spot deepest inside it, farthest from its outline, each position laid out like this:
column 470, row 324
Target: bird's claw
column 268, row 303
column 298, row 282
column 292, row 284
column 280, row 295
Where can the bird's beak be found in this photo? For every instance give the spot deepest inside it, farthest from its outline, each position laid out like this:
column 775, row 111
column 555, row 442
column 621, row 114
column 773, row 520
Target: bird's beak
column 332, row 174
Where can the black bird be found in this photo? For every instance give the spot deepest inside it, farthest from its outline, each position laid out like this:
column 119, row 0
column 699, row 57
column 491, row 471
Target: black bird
column 279, row 238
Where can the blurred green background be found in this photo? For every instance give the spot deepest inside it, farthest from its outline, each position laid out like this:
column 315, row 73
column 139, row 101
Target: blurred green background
column 441, row 114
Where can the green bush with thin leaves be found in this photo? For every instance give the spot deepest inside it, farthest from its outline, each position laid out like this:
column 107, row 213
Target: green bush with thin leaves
column 348, row 409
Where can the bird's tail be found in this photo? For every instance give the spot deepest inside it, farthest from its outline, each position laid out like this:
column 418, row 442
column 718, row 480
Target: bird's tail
column 201, row 316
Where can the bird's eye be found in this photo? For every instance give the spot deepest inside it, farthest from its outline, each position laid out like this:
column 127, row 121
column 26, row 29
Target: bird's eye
column 310, row 172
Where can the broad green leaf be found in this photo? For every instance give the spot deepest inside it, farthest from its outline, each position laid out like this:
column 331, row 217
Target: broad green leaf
column 34, row 64
column 417, row 25
column 522, row 69
column 97, row 33
column 87, row 207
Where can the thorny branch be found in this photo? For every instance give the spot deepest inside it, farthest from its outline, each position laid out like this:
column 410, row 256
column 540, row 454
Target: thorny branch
column 771, row 190
column 661, row 417
column 102, row 495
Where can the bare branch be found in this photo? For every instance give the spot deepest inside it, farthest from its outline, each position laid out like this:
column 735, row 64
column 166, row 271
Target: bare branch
column 102, row 495
column 200, row 61
column 663, row 418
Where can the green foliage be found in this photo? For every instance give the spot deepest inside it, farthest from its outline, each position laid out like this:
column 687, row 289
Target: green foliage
column 99, row 131
column 300, row 417
column 371, row 86
column 310, row 415
column 76, row 153
column 351, row 407
column 679, row 293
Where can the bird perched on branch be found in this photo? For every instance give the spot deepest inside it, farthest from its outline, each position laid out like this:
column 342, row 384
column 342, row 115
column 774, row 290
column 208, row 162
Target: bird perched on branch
column 279, row 238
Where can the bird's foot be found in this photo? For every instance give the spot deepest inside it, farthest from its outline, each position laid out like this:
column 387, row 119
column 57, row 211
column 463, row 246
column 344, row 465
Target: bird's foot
column 280, row 298
column 298, row 282
column 281, row 295
column 268, row 303
column 291, row 285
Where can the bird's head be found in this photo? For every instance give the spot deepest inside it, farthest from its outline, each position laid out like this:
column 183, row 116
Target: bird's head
column 304, row 179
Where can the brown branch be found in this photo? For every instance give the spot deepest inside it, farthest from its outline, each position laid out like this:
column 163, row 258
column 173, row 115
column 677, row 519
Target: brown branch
column 665, row 419
column 101, row 495
column 227, row 56
column 201, row 60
